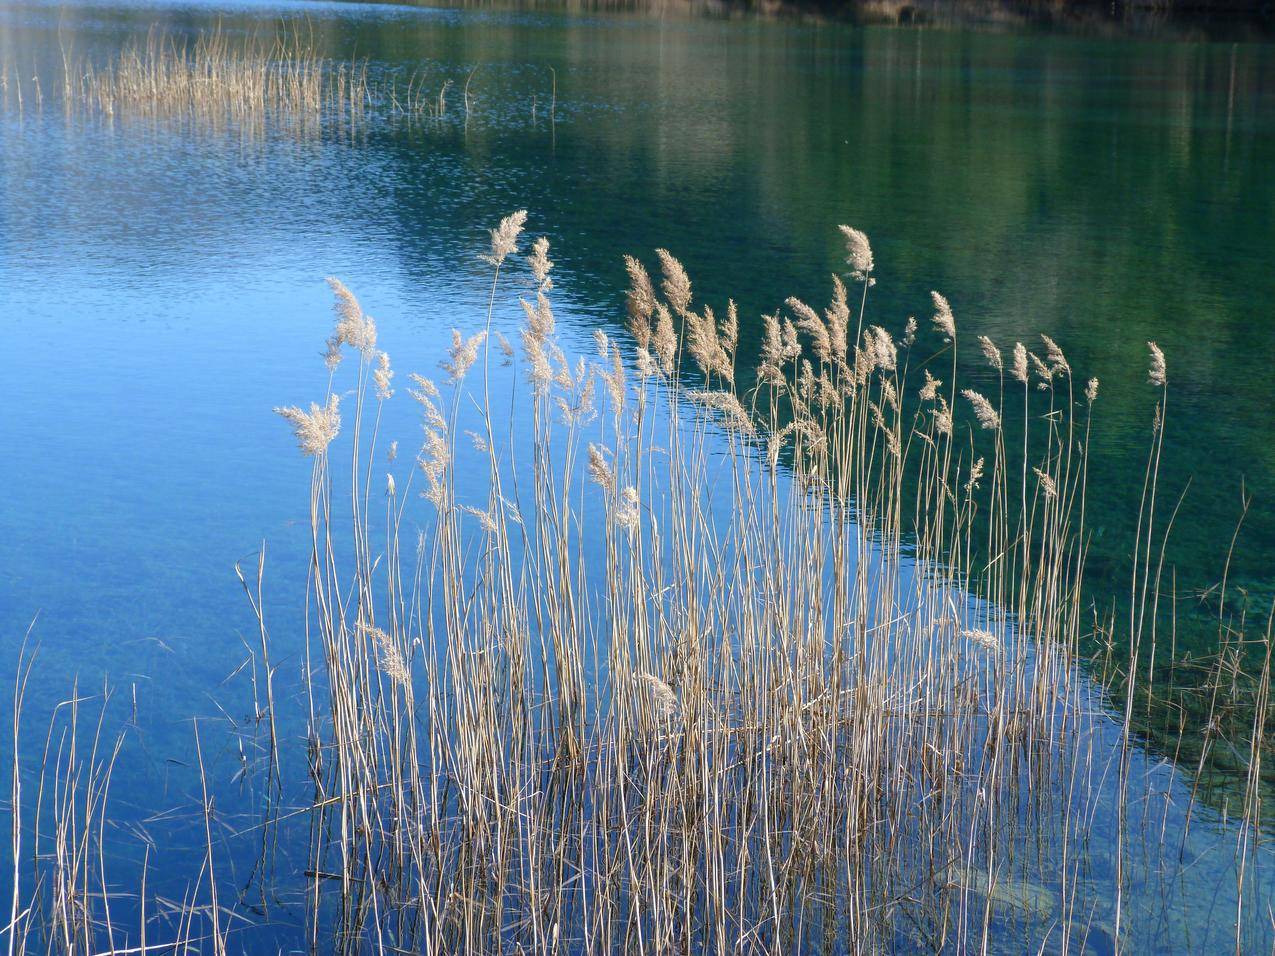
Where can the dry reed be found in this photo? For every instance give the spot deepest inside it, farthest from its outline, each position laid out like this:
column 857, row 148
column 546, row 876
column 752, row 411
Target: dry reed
column 803, row 682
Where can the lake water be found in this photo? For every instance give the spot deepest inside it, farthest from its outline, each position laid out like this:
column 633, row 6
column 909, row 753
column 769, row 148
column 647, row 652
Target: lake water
column 161, row 285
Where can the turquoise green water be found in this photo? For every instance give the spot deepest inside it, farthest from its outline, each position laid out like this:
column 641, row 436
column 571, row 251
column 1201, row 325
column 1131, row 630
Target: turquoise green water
column 161, row 284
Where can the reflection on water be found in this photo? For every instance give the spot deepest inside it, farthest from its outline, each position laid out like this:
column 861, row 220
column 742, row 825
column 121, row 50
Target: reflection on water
column 161, row 280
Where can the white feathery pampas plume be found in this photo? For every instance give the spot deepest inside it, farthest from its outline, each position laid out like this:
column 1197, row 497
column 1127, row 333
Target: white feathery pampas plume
column 462, row 354
column 1057, row 361
column 983, row 410
column 991, row 352
column 504, row 238
column 640, row 300
column 930, row 390
column 676, row 284
column 354, row 327
column 944, row 321
column 808, row 321
column 734, row 416
column 316, row 428
column 600, row 467
column 541, row 263
column 1019, row 368
column 858, row 253
column 381, row 376
column 1156, row 373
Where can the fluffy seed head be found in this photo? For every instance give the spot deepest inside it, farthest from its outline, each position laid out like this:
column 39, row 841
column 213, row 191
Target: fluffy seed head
column 676, row 284
column 316, row 428
column 1156, row 371
column 983, row 410
column 641, row 301
column 704, row 345
column 944, row 321
column 930, row 390
column 645, row 363
column 388, row 657
column 485, row 519
column 728, row 328
column 504, row 238
column 628, row 512
column 991, row 352
column 614, row 380
column 1044, row 372
column 772, row 343
column 540, row 263
column 976, row 475
column 381, row 376
column 462, row 354
column 943, row 417
column 536, row 334
column 838, row 318
column 1057, row 361
column 734, row 415
column 884, row 353
column 809, row 322
column 353, row 326
column 858, row 253
column 1047, row 483
column 600, row 471
column 664, row 339
column 1019, row 368
column 792, row 345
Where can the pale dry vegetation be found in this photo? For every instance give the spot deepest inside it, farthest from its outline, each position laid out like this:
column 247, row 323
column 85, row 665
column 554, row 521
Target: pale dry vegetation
column 215, row 78
column 663, row 664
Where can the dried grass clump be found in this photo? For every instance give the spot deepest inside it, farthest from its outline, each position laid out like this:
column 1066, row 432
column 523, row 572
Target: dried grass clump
column 832, row 724
column 218, row 79
column 840, row 747
column 685, row 667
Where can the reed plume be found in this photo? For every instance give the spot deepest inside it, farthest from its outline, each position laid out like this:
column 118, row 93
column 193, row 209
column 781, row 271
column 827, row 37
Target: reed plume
column 1155, row 372
column 315, row 430
column 858, row 253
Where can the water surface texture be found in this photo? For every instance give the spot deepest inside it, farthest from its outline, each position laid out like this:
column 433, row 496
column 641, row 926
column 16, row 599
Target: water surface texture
column 161, row 285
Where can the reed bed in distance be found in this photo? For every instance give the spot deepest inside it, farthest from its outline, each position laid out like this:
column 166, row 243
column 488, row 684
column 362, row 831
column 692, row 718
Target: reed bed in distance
column 216, row 77
column 212, row 77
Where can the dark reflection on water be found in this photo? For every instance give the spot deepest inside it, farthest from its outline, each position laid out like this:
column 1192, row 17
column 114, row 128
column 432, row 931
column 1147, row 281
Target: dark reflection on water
column 161, row 282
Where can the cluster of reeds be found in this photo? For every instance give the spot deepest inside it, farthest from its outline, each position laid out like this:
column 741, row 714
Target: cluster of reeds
column 690, row 667
column 217, row 78
column 66, row 893
column 669, row 664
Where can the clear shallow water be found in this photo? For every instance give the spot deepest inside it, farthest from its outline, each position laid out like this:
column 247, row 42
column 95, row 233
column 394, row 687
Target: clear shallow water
column 161, row 286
